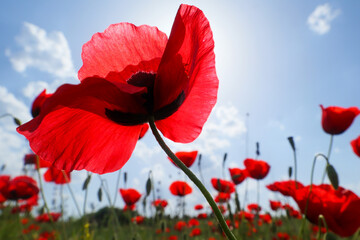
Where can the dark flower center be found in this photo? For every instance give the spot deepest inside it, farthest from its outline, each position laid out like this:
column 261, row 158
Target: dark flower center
column 143, row 79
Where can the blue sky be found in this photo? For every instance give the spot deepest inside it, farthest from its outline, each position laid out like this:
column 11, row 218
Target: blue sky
column 270, row 61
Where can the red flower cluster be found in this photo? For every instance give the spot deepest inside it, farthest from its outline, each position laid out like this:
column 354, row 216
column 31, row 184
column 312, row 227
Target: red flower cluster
column 159, row 203
column 129, row 74
column 223, row 185
column 20, row 187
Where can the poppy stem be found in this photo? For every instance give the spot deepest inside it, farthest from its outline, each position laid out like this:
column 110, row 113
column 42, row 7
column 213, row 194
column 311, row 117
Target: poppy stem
column 193, row 178
column 328, row 156
column 117, row 187
column 71, row 192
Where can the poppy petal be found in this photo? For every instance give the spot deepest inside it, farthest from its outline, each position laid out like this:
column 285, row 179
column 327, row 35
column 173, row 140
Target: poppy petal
column 73, row 132
column 119, row 46
column 187, row 66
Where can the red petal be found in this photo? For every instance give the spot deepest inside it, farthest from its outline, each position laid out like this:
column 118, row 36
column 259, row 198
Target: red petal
column 119, row 46
column 57, row 176
column 73, row 132
column 188, row 65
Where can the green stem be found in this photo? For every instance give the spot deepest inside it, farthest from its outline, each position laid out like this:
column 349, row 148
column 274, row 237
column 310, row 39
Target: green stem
column 295, row 169
column 193, row 178
column 71, row 192
column 328, row 156
column 42, row 189
column 86, row 194
column 117, row 187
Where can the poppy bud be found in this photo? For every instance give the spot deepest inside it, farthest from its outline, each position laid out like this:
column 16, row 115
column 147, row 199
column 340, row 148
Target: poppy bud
column 148, row 186
column 125, row 177
column 290, row 172
column 333, row 176
column 17, row 121
column 86, row 182
column 99, row 194
column 257, row 149
column 292, row 143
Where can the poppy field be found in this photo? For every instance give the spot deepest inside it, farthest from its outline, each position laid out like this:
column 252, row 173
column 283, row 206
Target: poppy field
column 137, row 81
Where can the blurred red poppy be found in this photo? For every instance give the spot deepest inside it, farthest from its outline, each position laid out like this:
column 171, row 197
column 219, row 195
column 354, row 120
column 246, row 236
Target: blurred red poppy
column 46, row 218
column 180, row 188
column 335, row 120
column 222, row 197
column 20, row 187
column 238, row 175
column 160, row 203
column 57, row 176
column 198, row 207
column 275, row 205
column 39, row 102
column 202, row 216
column 173, row 237
column 266, row 218
column 195, row 232
column 129, row 74
column 253, row 207
column 188, row 158
column 223, row 185
column 355, row 144
column 286, row 188
column 180, row 225
column 4, row 181
column 32, row 158
column 282, row 236
column 257, row 169
column 193, row 222
column 138, row 219
column 340, row 208
column 130, row 196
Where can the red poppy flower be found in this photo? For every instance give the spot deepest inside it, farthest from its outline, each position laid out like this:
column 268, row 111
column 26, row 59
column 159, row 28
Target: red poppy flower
column 266, row 218
column 335, row 120
column 180, row 188
column 129, row 73
column 238, row 175
column 253, row 207
column 193, row 222
column 39, row 102
column 46, row 218
column 248, row 216
column 340, row 208
column 4, row 181
column 21, row 187
column 180, row 225
column 195, row 232
column 160, row 203
column 286, row 188
column 57, row 176
column 283, row 236
column 355, row 144
column 275, row 205
column 223, row 185
column 173, row 237
column 222, row 197
column 32, row 158
column 257, row 169
column 138, row 219
column 188, row 158
column 202, row 216
column 198, row 207
column 130, row 196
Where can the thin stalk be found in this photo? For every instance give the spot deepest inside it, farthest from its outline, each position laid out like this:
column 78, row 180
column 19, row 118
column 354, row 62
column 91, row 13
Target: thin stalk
column 295, row 169
column 328, row 156
column 86, row 195
column 42, row 189
column 193, row 178
column 117, row 187
column 71, row 192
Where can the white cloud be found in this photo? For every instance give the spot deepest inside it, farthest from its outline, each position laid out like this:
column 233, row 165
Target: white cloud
column 47, row 52
column 145, row 152
column 320, row 19
column 276, row 124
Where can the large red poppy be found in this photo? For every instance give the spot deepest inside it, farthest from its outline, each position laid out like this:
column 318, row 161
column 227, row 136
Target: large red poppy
column 257, row 169
column 335, row 120
column 286, row 188
column 340, row 208
column 180, row 188
column 238, row 175
column 188, row 158
column 129, row 73
column 130, row 196
column 223, row 185
column 355, row 144
column 21, row 187
column 57, row 176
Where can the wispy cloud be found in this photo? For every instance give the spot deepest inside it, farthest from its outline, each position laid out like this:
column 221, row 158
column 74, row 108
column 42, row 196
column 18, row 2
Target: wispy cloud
column 47, row 52
column 320, row 19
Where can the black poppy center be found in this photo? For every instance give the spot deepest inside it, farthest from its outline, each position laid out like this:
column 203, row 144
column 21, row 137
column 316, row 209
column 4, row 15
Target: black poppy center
column 143, row 79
